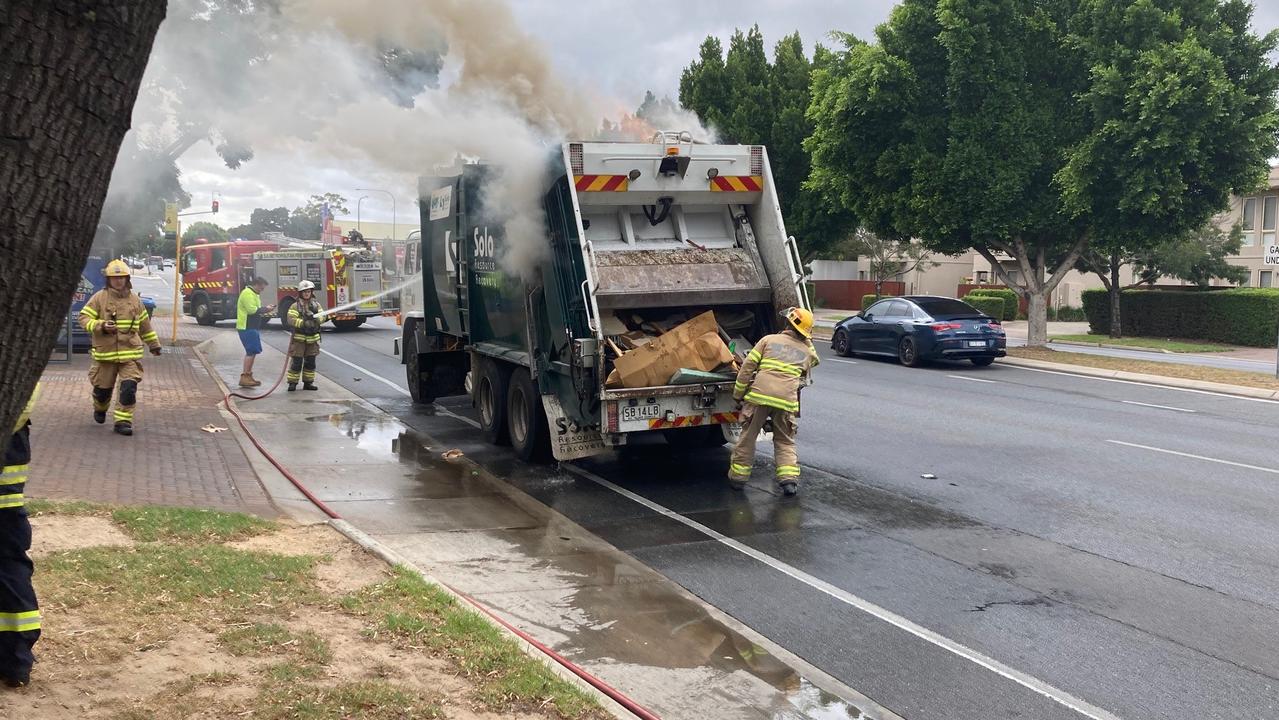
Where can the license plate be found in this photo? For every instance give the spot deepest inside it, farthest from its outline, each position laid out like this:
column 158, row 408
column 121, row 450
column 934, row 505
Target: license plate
column 641, row 412
column 977, row 343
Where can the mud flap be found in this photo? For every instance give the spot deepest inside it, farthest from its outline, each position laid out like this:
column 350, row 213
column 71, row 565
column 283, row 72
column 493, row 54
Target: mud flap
column 569, row 441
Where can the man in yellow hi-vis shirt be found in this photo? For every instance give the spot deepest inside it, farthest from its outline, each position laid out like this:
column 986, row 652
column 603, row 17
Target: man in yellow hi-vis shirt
column 768, row 386
column 19, row 611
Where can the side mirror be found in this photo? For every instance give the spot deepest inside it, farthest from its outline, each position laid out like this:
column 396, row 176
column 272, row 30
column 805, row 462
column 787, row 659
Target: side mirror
column 868, row 317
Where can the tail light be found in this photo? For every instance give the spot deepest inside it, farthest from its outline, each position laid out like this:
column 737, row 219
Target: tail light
column 944, row 326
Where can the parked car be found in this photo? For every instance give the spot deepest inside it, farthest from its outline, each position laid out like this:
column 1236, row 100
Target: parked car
column 137, row 264
column 168, row 263
column 919, row 328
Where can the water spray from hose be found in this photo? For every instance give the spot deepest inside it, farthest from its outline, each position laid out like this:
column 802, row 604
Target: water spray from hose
column 324, row 314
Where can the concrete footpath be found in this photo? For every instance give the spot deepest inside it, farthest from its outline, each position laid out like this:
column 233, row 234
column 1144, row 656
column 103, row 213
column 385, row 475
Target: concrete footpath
column 546, row 575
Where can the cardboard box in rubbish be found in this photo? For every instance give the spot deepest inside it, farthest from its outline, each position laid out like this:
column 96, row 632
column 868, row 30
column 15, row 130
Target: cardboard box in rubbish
column 695, row 345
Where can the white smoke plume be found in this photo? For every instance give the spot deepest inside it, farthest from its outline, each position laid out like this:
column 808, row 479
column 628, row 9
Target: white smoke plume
column 392, row 89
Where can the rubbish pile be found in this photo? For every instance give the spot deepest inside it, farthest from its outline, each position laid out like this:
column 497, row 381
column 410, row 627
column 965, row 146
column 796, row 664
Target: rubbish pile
column 675, row 350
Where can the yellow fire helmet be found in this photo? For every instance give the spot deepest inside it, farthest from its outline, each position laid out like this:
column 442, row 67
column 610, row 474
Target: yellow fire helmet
column 801, row 319
column 117, row 268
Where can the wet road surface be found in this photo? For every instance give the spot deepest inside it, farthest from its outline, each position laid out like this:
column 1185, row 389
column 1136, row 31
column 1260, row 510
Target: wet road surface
column 1086, row 548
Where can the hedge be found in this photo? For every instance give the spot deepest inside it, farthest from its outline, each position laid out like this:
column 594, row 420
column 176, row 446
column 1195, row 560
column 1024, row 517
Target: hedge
column 1012, row 304
column 868, row 300
column 1066, row 313
column 1242, row 316
column 989, row 304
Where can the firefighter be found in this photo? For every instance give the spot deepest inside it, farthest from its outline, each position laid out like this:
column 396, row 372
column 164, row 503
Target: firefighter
column 120, row 326
column 304, row 346
column 768, row 386
column 250, row 315
column 19, row 612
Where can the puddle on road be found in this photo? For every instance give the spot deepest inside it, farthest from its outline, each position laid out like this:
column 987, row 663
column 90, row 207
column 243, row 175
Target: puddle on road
column 374, row 434
column 598, row 605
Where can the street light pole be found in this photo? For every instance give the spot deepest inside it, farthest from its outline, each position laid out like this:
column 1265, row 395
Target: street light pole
column 393, row 213
column 357, row 213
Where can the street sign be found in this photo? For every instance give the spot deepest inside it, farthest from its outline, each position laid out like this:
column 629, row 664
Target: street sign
column 170, row 220
column 1272, row 254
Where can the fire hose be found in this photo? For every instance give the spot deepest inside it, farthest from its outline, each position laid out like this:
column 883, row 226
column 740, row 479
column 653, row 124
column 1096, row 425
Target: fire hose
column 612, row 693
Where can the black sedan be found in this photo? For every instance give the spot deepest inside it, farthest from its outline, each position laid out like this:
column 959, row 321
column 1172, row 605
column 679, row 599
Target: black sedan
column 919, row 328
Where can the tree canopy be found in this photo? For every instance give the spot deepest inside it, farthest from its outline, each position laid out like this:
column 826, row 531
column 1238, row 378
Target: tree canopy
column 746, row 99
column 1026, row 128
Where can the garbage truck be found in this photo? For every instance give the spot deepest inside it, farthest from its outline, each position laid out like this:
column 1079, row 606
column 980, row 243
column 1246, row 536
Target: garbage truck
column 652, row 270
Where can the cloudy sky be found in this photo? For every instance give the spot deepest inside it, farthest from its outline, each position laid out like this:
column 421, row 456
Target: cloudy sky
column 614, row 50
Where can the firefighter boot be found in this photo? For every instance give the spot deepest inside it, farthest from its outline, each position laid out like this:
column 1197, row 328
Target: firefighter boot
column 293, row 386
column 790, row 489
column 309, row 386
column 22, row 679
column 101, row 401
column 100, row 416
column 124, row 428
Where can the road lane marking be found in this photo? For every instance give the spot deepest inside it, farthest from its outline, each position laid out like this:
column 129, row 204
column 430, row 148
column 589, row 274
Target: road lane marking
column 438, row 408
column 840, row 360
column 1143, row 384
column 1246, row 466
column 368, row 372
column 973, row 379
column 1031, row 683
column 1161, row 407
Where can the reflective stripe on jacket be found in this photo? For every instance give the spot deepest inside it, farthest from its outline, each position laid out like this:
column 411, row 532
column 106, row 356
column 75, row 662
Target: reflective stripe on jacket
column 133, row 326
column 774, row 371
column 299, row 314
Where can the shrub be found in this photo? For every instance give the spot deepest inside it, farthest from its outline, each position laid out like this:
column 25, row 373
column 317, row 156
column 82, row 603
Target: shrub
column 991, row 305
column 1242, row 316
column 868, row 300
column 1012, row 304
column 1067, row 314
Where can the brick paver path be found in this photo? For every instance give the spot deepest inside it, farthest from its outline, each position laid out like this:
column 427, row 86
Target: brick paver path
column 169, row 461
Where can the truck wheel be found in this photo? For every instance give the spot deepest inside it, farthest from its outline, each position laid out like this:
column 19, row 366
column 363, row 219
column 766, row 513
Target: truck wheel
column 708, row 436
column 347, row 325
column 419, row 382
column 283, row 312
column 526, row 420
column 203, row 313
column 490, row 401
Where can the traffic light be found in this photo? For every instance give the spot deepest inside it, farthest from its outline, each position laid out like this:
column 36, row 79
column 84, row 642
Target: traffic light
column 215, row 206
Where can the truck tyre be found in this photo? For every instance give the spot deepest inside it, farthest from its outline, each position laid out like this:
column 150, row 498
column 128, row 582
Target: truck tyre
column 709, row 436
column 490, row 401
column 347, row 325
column 526, row 420
column 283, row 312
column 203, row 313
column 417, row 379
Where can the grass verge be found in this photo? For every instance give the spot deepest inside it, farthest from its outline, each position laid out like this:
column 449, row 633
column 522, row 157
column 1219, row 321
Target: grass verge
column 111, row 611
column 420, row 615
column 1187, row 372
column 1176, row 346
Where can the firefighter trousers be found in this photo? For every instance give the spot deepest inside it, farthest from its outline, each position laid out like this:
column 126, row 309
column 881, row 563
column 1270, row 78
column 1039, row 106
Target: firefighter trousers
column 19, row 612
column 301, row 367
column 105, row 375
column 785, row 428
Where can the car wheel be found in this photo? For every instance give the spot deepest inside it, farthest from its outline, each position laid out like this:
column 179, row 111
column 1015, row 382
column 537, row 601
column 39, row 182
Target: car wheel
column 908, row 352
column 840, row 344
column 203, row 314
column 982, row 361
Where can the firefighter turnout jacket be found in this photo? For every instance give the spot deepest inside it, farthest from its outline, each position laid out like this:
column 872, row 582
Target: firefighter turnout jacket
column 133, row 326
column 774, row 371
column 306, row 328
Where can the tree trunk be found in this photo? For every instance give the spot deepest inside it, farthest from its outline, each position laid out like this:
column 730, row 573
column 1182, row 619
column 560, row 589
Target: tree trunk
column 1115, row 292
column 1037, row 318
column 69, row 75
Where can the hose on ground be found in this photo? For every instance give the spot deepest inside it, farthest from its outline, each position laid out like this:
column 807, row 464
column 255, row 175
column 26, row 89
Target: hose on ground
column 612, row 693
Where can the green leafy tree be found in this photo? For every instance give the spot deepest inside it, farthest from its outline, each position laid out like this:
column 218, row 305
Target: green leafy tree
column 1024, row 130
column 745, row 99
column 207, row 230
column 1198, row 257
column 264, row 220
column 703, row 86
column 306, row 222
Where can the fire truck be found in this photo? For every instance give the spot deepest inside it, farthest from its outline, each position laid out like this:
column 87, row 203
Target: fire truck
column 213, row 274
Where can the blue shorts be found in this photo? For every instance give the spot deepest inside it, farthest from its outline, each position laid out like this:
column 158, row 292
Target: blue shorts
column 252, row 342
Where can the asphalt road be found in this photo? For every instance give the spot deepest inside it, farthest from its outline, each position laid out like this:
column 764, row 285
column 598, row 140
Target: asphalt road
column 968, row 543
